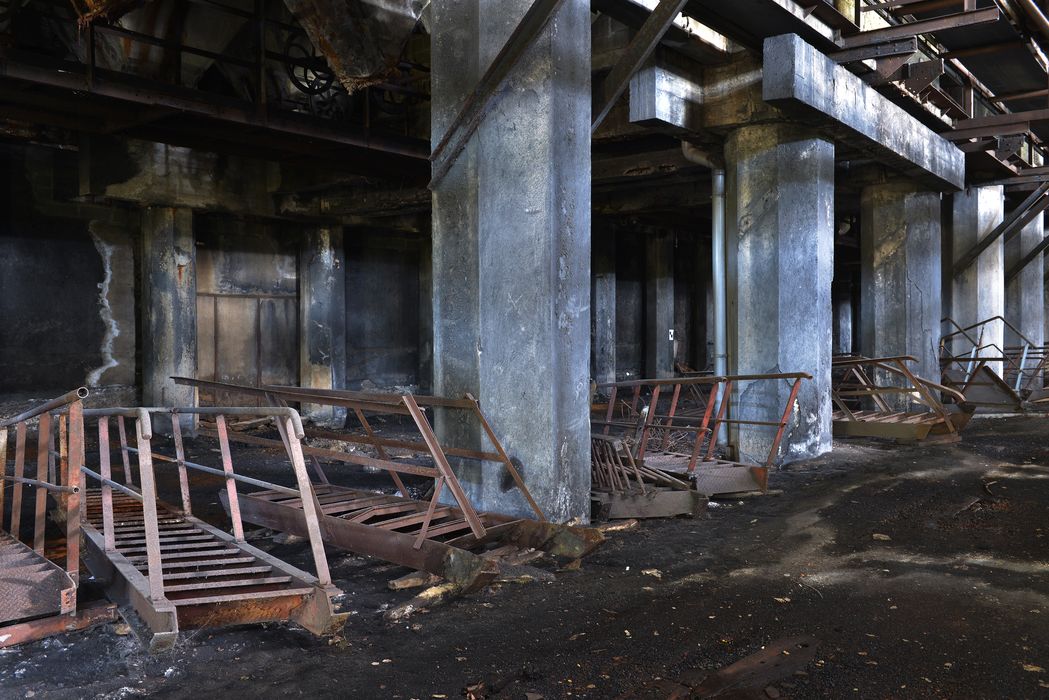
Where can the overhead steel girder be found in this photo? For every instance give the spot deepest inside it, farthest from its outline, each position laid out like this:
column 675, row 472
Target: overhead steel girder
column 927, row 26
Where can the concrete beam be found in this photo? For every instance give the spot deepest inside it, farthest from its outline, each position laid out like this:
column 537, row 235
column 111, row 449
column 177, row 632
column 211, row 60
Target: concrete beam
column 800, row 79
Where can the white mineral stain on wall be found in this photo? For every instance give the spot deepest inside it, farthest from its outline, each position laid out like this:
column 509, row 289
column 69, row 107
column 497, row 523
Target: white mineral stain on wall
column 105, row 250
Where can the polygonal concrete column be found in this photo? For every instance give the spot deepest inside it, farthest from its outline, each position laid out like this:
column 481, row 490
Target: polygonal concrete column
column 169, row 307
column 1025, row 293
column 322, row 319
column 780, row 235
column 603, row 309
column 659, row 305
column 978, row 293
column 511, row 253
column 900, row 307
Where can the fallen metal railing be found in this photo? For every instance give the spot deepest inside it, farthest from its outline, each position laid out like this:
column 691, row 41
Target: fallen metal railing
column 177, row 571
column 991, row 376
column 424, row 534
column 38, row 597
column 868, row 393
column 669, row 424
column 621, row 488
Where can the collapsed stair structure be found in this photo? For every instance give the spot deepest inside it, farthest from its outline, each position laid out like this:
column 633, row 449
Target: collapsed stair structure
column 442, row 537
column 882, row 397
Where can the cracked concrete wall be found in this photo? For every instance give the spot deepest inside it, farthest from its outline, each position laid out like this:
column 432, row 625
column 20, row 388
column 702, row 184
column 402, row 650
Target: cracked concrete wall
column 780, row 234
column 385, row 338
column 1025, row 293
column 900, row 277
column 978, row 293
column 66, row 283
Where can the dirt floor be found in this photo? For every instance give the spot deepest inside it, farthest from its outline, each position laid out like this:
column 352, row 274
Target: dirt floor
column 917, row 571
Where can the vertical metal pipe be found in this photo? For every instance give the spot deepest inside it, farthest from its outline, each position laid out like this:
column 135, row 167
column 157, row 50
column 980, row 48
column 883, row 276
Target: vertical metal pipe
column 719, row 277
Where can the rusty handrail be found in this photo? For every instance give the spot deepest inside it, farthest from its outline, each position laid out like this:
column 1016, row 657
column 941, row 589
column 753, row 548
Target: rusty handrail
column 47, row 407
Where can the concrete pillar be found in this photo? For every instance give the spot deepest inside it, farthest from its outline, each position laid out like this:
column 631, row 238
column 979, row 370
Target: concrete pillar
column 841, row 294
column 900, row 252
column 426, row 315
column 511, row 253
column 1025, row 293
column 322, row 319
column 659, row 305
column 978, row 293
column 780, row 235
column 603, row 310
column 169, row 307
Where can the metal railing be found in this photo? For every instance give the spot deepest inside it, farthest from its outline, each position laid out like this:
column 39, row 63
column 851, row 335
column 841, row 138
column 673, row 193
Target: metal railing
column 146, row 459
column 59, row 460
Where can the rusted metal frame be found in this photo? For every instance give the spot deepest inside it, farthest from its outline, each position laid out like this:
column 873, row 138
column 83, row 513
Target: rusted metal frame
column 43, row 457
column 505, row 458
column 382, row 452
column 1035, row 204
column 391, row 401
column 633, row 57
column 46, row 407
column 104, row 456
column 494, row 82
column 154, row 563
column 720, row 420
column 73, row 501
column 613, row 395
column 873, row 389
column 774, row 449
column 670, row 416
column 437, row 489
column 709, row 434
column 129, row 479
column 927, row 26
column 61, row 474
column 310, row 508
column 647, row 425
column 3, row 473
column 443, row 467
column 16, row 491
column 898, row 47
column 333, row 455
column 1018, row 267
column 391, row 443
column 180, row 458
column 231, row 484
column 373, row 402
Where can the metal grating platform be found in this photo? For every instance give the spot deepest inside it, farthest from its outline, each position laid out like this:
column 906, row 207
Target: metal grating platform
column 209, row 578
column 31, row 586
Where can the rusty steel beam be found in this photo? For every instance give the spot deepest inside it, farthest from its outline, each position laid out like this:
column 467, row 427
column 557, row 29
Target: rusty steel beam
column 633, row 57
column 898, row 47
column 1016, row 269
column 1035, row 204
column 926, row 26
column 489, row 87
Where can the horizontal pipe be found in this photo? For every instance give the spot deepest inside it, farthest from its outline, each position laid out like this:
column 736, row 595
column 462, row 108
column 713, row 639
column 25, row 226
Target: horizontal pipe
column 114, row 484
column 142, row 414
column 52, row 405
column 224, row 475
column 41, row 484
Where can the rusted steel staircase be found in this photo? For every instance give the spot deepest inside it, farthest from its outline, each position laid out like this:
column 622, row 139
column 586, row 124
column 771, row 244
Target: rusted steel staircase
column 444, row 539
column 179, row 572
column 37, row 596
column 878, row 397
column 668, row 425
